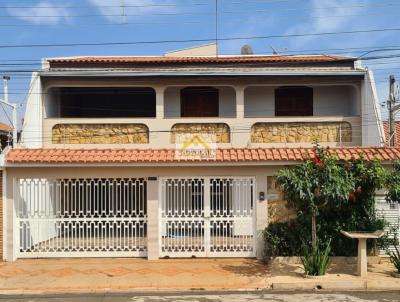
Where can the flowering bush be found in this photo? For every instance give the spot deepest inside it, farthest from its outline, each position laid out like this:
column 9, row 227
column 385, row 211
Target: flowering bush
column 340, row 194
column 315, row 184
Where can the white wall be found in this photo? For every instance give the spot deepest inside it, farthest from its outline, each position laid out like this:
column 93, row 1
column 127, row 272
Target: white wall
column 51, row 102
column 335, row 100
column 372, row 127
column 227, row 102
column 328, row 100
column 32, row 127
column 259, row 101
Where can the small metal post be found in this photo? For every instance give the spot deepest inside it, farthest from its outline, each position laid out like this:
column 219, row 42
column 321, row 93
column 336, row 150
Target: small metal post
column 14, row 109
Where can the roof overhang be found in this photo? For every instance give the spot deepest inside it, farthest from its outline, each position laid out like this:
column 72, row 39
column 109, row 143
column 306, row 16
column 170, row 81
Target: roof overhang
column 167, row 157
column 205, row 73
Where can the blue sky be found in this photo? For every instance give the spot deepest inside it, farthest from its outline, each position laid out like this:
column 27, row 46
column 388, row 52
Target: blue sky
column 86, row 21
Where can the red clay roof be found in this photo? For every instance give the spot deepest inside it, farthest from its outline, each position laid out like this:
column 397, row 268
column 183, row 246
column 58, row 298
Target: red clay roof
column 233, row 59
column 88, row 156
column 5, row 128
column 396, row 133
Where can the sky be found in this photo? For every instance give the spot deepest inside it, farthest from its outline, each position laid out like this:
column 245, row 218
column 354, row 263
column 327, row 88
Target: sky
column 289, row 22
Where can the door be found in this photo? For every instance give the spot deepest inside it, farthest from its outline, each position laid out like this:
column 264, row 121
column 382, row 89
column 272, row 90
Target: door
column 199, row 102
column 207, row 217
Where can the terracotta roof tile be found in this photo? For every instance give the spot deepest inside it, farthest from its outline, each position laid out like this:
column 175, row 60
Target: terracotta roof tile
column 5, row 128
column 186, row 60
column 396, row 133
column 82, row 156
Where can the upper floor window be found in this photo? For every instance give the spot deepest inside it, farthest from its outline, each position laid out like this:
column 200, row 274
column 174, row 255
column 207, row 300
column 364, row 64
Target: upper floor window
column 107, row 102
column 199, row 102
column 294, row 101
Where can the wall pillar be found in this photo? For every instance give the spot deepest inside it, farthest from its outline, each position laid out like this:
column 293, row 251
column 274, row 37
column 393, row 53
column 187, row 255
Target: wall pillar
column 152, row 220
column 261, row 208
column 239, row 102
column 159, row 102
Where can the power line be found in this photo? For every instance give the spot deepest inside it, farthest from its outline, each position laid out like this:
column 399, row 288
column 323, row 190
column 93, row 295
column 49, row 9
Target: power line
column 344, row 50
column 100, row 6
column 199, row 40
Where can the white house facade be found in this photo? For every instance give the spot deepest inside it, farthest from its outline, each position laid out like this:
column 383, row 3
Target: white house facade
column 97, row 172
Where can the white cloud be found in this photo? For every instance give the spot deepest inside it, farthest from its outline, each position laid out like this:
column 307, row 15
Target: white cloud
column 340, row 16
column 44, row 12
column 113, row 11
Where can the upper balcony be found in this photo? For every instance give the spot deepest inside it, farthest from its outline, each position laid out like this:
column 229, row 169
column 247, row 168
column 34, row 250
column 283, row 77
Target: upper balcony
column 275, row 114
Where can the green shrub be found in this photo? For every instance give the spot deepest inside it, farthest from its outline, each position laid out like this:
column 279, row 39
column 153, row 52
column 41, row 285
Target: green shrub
column 355, row 214
column 316, row 259
column 282, row 239
column 286, row 238
column 395, row 259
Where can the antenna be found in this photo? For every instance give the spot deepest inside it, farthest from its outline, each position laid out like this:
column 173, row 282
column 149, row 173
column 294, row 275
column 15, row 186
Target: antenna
column 274, row 52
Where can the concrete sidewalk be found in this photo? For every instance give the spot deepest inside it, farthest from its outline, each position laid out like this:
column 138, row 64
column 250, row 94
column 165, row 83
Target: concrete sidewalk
column 119, row 275
column 288, row 275
column 53, row 276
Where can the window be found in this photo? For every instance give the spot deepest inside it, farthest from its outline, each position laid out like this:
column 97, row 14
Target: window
column 294, row 101
column 199, row 102
column 107, row 102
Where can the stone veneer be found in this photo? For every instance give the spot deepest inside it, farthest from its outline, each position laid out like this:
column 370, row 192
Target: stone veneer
column 278, row 208
column 100, row 134
column 220, row 130
column 301, row 132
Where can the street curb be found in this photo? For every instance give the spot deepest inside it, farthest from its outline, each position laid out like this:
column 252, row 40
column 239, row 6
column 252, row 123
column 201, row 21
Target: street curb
column 119, row 292
column 321, row 285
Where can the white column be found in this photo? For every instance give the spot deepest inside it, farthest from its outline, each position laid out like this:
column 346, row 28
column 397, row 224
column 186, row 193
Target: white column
column 152, row 220
column 261, row 215
column 239, row 102
column 159, row 102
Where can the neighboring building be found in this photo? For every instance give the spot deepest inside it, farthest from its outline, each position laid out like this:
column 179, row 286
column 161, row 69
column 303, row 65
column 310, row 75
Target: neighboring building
column 5, row 136
column 396, row 133
column 107, row 161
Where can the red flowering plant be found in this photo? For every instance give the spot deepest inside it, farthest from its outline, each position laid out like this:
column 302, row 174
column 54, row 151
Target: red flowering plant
column 316, row 183
column 341, row 195
column 369, row 176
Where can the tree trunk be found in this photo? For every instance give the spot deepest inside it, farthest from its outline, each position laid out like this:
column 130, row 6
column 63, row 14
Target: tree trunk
column 314, row 228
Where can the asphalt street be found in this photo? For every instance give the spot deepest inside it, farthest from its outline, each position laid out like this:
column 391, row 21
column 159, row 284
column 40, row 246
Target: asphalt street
column 218, row 297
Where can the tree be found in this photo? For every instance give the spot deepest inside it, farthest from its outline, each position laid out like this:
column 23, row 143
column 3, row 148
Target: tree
column 393, row 184
column 316, row 183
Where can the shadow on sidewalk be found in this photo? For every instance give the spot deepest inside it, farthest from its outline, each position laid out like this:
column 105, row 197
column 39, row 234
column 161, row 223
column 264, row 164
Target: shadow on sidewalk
column 248, row 268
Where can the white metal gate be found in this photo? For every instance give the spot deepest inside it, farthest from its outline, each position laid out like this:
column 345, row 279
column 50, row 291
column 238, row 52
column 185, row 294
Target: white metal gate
column 391, row 213
column 93, row 217
column 207, row 217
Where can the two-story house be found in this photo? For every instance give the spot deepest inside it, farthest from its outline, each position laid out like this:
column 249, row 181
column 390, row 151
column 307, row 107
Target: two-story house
column 99, row 171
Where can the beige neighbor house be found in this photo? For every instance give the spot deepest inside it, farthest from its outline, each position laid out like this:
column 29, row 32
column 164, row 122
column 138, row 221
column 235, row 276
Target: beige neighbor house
column 174, row 156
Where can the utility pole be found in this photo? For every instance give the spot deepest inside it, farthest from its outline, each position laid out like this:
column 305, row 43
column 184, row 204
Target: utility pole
column 13, row 106
column 393, row 109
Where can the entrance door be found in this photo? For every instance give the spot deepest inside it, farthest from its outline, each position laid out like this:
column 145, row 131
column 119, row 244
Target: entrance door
column 207, row 217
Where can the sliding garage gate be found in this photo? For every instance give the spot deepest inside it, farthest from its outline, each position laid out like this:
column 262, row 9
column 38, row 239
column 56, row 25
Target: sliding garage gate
column 207, row 217
column 93, row 217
